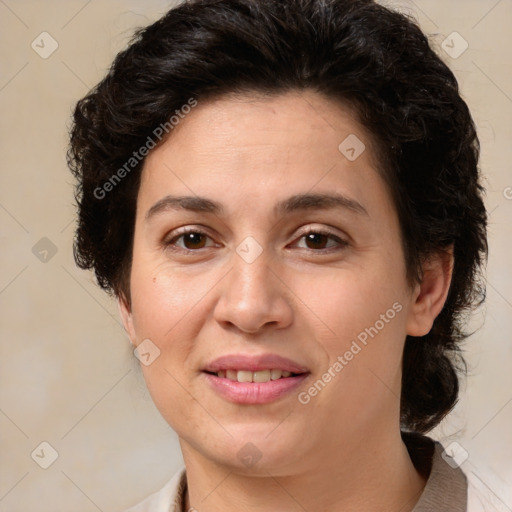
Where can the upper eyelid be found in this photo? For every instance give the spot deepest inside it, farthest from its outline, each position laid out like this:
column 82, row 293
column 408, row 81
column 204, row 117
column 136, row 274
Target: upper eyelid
column 192, row 229
column 325, row 230
column 179, row 232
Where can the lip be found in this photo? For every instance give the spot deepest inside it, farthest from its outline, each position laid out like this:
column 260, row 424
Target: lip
column 254, row 363
column 254, row 393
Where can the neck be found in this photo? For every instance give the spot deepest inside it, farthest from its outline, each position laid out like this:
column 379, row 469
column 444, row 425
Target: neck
column 375, row 474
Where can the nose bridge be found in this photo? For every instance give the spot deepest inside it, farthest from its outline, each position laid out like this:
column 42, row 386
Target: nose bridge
column 252, row 280
column 252, row 296
column 251, row 270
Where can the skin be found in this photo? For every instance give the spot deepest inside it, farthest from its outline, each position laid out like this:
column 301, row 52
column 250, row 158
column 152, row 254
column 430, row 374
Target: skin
column 197, row 299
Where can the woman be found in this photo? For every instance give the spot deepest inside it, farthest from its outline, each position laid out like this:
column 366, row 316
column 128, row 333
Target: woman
column 284, row 197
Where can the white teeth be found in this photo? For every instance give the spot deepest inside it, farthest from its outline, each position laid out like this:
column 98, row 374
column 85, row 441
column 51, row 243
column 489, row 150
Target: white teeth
column 261, row 376
column 243, row 376
column 275, row 374
column 231, row 374
column 247, row 376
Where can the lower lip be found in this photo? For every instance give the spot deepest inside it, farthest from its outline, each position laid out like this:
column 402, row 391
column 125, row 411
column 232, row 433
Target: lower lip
column 254, row 392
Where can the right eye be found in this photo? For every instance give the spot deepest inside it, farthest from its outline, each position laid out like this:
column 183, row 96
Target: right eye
column 188, row 239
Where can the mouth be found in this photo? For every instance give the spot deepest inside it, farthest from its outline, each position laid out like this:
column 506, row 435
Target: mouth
column 258, row 376
column 259, row 379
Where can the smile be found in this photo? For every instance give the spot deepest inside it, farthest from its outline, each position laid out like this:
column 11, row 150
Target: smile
column 254, row 378
column 259, row 376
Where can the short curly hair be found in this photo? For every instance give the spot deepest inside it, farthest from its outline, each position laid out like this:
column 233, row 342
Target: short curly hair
column 356, row 51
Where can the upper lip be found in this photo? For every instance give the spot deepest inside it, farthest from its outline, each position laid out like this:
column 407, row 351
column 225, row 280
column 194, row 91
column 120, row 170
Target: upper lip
column 254, row 363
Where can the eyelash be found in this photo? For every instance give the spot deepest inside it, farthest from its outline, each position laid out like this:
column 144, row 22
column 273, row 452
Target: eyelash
column 169, row 242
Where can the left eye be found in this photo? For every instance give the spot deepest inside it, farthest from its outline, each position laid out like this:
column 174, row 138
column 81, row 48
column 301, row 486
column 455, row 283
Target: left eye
column 319, row 240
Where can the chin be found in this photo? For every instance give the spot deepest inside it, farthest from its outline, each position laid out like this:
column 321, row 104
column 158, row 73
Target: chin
column 251, row 451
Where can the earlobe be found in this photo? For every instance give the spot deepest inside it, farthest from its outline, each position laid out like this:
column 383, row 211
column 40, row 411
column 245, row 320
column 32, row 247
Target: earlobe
column 126, row 316
column 430, row 294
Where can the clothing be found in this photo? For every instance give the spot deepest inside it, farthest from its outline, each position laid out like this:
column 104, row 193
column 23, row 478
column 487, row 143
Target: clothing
column 447, row 489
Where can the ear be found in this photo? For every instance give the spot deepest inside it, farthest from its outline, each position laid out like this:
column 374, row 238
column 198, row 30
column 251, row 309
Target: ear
column 127, row 318
column 430, row 294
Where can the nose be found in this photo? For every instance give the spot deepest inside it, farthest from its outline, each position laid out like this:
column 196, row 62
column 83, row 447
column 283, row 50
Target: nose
column 253, row 298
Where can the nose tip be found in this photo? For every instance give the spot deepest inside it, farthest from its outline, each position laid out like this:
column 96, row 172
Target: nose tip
column 253, row 297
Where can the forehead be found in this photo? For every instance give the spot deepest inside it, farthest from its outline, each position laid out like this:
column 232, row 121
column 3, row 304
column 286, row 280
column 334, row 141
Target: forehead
column 261, row 146
column 292, row 119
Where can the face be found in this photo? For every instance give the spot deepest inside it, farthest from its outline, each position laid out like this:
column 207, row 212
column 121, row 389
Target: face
column 266, row 253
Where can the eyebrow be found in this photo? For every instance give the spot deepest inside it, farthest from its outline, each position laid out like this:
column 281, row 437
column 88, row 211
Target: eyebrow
column 298, row 202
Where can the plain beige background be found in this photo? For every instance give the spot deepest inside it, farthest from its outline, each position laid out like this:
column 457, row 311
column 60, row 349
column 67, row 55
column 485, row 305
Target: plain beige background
column 68, row 376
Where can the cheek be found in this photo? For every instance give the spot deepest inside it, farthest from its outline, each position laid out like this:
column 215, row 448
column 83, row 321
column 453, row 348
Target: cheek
column 363, row 357
column 360, row 317
column 167, row 309
column 162, row 299
column 347, row 301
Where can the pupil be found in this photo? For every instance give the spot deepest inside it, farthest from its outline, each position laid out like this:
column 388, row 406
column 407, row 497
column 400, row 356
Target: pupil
column 316, row 239
column 193, row 239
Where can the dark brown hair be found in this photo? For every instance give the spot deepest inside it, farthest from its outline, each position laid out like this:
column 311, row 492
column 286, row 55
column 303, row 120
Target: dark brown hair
column 369, row 57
